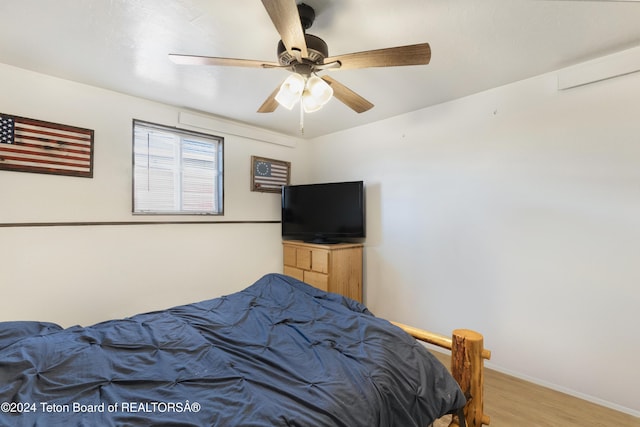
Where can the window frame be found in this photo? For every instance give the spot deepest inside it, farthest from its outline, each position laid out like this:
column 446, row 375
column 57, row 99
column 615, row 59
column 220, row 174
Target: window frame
column 181, row 134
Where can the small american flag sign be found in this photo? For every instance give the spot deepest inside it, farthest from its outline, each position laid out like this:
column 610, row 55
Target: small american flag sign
column 29, row 145
column 269, row 175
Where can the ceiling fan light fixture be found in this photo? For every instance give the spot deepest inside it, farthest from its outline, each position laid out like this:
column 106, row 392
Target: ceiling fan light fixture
column 316, row 94
column 312, row 92
column 290, row 91
column 319, row 89
column 310, row 103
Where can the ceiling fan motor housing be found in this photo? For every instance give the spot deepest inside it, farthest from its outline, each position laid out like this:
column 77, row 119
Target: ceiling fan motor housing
column 316, row 47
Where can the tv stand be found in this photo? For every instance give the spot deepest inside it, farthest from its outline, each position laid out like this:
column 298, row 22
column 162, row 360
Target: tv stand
column 335, row 267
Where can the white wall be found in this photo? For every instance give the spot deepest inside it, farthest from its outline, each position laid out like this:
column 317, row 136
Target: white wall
column 515, row 212
column 86, row 274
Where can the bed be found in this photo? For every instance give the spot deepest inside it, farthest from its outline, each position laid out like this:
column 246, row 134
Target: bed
column 278, row 353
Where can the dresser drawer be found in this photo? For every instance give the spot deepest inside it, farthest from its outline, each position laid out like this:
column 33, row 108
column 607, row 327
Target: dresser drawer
column 289, row 256
column 318, row 280
column 320, row 261
column 303, row 258
column 294, row 272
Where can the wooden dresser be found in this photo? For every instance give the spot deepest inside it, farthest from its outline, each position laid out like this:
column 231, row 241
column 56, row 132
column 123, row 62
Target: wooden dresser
column 333, row 268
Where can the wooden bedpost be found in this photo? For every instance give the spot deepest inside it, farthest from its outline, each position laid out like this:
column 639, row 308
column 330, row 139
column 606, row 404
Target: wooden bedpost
column 467, row 367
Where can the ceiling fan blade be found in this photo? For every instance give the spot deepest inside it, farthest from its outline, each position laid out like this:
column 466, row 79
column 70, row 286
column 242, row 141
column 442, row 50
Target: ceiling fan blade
column 416, row 54
column 270, row 104
column 212, row 60
column 285, row 17
column 347, row 96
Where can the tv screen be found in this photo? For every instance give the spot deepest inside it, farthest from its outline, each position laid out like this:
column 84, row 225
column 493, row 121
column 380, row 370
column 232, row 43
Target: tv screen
column 323, row 213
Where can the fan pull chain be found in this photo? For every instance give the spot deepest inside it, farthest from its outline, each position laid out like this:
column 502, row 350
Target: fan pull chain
column 301, row 118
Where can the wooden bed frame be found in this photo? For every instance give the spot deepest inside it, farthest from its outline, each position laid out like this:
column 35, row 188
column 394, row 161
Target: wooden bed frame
column 467, row 367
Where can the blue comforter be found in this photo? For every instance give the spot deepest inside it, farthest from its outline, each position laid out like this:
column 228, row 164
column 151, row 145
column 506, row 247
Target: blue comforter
column 279, row 353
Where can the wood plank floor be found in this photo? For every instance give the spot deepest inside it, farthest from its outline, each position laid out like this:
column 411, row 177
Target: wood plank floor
column 511, row 401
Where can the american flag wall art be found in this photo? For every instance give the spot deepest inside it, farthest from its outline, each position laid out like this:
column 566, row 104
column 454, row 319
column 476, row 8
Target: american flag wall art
column 29, row 145
column 269, row 175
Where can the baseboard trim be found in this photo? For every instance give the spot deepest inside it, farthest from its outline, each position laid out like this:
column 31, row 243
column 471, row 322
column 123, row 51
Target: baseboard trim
column 551, row 386
column 564, row 390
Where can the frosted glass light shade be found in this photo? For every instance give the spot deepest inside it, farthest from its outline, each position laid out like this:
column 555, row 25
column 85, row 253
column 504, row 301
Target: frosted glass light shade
column 310, row 103
column 316, row 94
column 313, row 92
column 290, row 91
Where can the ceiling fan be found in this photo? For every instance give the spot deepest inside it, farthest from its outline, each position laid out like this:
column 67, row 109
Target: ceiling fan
column 305, row 55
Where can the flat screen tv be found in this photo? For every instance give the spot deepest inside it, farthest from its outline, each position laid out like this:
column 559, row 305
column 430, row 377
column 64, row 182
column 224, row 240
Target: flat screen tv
column 324, row 213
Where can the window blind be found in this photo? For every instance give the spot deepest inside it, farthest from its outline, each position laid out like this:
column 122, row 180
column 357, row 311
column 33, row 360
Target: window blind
column 176, row 172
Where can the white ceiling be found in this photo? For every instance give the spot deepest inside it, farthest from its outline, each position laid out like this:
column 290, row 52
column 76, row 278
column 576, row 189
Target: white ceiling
column 123, row 45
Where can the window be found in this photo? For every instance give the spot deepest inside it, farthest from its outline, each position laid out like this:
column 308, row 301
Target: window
column 176, row 171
